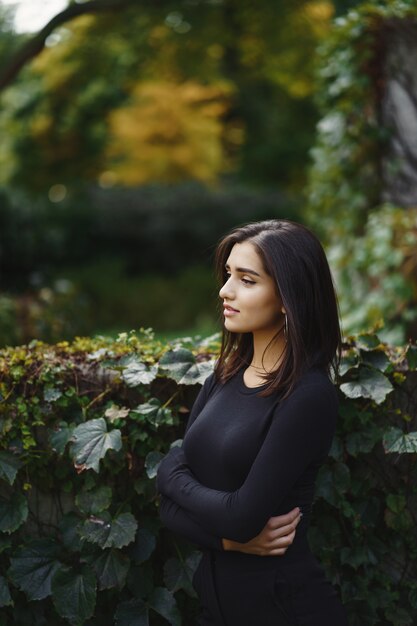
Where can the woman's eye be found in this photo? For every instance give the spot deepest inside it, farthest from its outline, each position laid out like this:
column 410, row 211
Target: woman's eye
column 248, row 282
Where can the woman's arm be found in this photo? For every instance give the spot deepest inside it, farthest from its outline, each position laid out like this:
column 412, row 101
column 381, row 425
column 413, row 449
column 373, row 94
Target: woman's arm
column 301, row 432
column 274, row 539
column 180, row 522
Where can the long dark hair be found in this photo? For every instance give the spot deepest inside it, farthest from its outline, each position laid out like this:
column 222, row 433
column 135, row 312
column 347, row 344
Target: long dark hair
column 293, row 256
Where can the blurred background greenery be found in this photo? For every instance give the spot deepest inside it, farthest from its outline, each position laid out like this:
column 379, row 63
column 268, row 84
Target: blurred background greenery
column 141, row 132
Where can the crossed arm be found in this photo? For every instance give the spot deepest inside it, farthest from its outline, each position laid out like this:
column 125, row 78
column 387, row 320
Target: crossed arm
column 301, row 431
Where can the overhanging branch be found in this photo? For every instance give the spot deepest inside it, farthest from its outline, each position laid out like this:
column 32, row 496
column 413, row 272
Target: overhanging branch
column 35, row 45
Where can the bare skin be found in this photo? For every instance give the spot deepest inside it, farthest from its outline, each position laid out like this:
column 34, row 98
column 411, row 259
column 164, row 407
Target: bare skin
column 275, row 538
column 258, row 309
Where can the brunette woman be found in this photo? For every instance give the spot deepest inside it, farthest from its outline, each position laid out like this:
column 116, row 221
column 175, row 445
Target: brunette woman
column 258, row 432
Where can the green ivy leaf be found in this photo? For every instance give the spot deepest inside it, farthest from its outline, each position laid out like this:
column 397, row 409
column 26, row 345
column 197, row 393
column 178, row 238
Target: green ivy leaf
column 333, row 482
column 362, row 442
column 181, row 366
column 94, row 501
column 153, row 412
column 376, row 359
column 357, row 556
column 51, row 394
column 367, row 341
column 5, row 543
column 132, row 613
column 145, row 543
column 91, row 442
column 396, row 502
column 395, row 440
column 9, row 466
column 33, row 566
column 110, row 567
column 108, row 532
column 74, row 593
column 152, row 462
column 5, row 597
column 138, row 373
column 60, row 436
column 163, row 602
column 411, row 356
column 370, row 383
column 348, row 362
column 398, row 616
column 179, row 574
column 70, row 526
column 13, row 512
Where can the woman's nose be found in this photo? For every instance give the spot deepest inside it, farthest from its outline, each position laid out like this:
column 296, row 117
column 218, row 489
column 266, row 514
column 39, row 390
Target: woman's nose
column 226, row 291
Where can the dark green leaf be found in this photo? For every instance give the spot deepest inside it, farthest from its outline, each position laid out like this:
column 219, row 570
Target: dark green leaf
column 366, row 341
column 5, row 543
column 181, row 366
column 179, row 574
column 9, row 466
column 33, row 567
column 70, row 526
column 13, row 512
column 396, row 502
column 140, row 580
column 332, row 482
column 370, row 383
column 92, row 441
column 362, row 441
column 94, row 501
column 108, row 532
column 377, row 359
column 348, row 362
column 411, row 355
column 145, row 543
column 398, row 616
column 138, row 373
column 152, row 462
column 412, row 596
column 132, row 613
column 60, row 436
column 74, row 593
column 357, row 556
column 5, row 597
column 111, row 568
column 153, row 412
column 163, row 602
column 395, row 440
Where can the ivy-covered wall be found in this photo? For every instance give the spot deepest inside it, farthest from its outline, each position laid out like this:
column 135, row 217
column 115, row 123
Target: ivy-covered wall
column 361, row 195
column 83, row 427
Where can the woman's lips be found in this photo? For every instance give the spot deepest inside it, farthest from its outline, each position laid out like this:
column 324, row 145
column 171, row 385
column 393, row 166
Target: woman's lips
column 228, row 311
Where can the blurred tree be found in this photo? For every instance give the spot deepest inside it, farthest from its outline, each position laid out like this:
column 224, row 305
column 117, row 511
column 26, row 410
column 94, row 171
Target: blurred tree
column 59, row 114
column 168, row 132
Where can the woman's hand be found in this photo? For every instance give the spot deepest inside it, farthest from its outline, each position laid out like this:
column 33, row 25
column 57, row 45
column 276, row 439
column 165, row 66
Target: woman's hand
column 275, row 538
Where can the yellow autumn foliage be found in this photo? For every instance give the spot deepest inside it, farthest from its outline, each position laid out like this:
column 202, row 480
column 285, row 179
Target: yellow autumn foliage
column 169, row 132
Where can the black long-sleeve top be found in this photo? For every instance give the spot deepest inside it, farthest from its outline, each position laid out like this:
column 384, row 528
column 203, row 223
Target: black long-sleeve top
column 246, row 458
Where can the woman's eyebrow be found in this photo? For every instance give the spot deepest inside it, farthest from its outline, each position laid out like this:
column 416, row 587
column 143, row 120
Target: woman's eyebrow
column 243, row 270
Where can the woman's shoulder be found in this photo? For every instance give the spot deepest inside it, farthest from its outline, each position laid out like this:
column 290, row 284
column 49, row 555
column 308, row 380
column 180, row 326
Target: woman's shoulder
column 314, row 382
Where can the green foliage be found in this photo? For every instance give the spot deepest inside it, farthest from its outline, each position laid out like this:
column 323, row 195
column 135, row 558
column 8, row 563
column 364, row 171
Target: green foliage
column 371, row 244
column 83, row 427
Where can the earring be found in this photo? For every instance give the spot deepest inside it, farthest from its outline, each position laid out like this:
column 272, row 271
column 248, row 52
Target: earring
column 285, row 327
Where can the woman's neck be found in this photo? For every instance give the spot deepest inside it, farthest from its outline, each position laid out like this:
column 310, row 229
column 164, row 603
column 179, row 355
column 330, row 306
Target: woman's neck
column 267, row 356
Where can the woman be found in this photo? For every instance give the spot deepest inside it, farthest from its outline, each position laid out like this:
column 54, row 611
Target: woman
column 259, row 431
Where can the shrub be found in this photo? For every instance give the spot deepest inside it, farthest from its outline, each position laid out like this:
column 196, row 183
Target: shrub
column 83, row 427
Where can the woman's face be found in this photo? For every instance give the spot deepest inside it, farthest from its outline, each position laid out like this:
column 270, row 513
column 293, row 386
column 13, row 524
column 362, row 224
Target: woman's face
column 249, row 296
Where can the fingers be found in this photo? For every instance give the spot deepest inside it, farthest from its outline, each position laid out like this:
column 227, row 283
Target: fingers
column 284, row 520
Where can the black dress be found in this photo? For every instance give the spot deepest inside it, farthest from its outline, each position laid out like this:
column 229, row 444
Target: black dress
column 244, row 459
